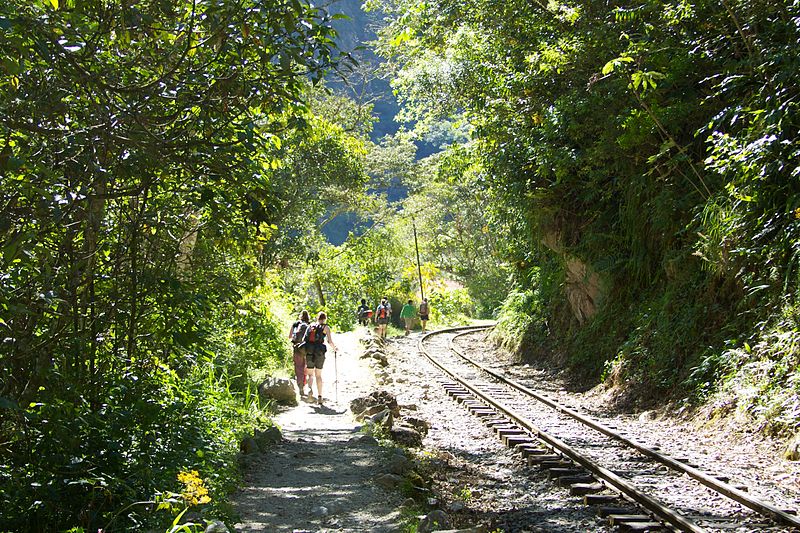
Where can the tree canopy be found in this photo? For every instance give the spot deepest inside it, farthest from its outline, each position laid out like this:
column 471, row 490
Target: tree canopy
column 642, row 156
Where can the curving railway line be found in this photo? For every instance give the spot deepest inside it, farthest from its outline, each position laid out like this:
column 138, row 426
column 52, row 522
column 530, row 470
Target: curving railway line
column 638, row 488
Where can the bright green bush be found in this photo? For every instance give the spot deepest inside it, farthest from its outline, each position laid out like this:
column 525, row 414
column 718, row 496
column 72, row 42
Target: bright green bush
column 75, row 463
column 518, row 319
column 760, row 380
column 451, row 306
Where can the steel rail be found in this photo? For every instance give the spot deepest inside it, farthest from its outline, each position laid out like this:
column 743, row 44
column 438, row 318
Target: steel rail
column 721, row 487
column 648, row 502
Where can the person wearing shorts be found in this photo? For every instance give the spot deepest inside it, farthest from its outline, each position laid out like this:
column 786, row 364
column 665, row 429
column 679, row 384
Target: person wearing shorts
column 383, row 313
column 315, row 352
column 424, row 312
column 407, row 314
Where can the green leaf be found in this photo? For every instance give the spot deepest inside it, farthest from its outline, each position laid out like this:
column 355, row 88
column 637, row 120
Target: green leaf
column 179, row 517
column 636, row 78
column 615, row 63
column 54, row 3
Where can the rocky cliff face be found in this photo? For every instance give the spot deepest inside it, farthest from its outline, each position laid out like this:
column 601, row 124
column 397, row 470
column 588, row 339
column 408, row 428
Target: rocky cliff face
column 584, row 287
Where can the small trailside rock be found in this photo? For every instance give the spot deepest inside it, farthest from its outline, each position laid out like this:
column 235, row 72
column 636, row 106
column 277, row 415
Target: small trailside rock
column 389, row 481
column 405, row 435
column 216, row 526
column 422, row 426
column 434, row 521
column 367, row 440
column 375, row 399
column 279, row 389
column 384, row 419
column 792, row 451
column 268, row 437
column 249, row 446
column 399, row 464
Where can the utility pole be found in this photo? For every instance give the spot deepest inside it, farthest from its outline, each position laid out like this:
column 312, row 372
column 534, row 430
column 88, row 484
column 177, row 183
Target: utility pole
column 419, row 268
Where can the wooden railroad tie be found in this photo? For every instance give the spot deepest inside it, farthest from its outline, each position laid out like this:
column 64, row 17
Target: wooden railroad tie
column 561, row 471
column 544, row 458
column 577, row 479
column 518, row 440
column 604, row 511
column 642, row 527
column 585, row 489
column 601, row 499
column 619, row 519
column 532, row 449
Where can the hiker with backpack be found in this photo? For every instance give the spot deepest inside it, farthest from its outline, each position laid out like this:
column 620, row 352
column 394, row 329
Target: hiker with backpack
column 383, row 313
column 424, row 313
column 363, row 313
column 296, row 334
column 314, row 342
column 407, row 314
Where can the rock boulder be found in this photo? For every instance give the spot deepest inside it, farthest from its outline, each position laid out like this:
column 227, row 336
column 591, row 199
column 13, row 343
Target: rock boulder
column 434, row 521
column 383, row 398
column 406, row 436
column 792, row 451
column 268, row 437
column 280, row 390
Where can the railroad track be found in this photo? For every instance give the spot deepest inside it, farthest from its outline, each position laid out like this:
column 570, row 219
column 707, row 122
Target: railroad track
column 638, row 488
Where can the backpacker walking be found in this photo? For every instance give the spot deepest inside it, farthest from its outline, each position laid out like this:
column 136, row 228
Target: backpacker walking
column 407, row 314
column 424, row 313
column 296, row 334
column 383, row 313
column 363, row 313
column 314, row 339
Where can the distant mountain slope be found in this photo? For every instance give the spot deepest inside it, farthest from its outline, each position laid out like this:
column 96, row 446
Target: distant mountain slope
column 355, row 33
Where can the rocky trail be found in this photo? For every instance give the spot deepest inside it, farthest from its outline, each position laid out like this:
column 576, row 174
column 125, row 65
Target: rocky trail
column 320, row 477
column 431, row 460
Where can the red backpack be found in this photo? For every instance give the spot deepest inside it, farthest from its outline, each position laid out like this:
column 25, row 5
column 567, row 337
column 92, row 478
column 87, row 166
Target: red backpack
column 315, row 333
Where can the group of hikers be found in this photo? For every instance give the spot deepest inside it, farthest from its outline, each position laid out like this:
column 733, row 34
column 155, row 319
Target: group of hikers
column 383, row 315
column 308, row 339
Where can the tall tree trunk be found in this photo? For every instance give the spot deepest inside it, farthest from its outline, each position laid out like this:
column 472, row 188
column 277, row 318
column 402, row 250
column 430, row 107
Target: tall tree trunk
column 94, row 219
column 318, row 286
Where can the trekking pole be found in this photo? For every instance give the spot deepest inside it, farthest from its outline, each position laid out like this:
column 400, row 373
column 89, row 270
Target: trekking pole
column 336, row 374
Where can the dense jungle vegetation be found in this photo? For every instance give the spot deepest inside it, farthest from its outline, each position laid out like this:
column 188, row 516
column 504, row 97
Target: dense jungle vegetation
column 616, row 183
column 639, row 165
column 166, row 171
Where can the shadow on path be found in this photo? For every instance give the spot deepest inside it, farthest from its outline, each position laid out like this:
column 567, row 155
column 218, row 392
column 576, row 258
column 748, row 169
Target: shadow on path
column 321, row 478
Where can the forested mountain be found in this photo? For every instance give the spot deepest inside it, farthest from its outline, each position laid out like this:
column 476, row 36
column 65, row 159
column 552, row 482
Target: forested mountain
column 366, row 82
column 369, row 80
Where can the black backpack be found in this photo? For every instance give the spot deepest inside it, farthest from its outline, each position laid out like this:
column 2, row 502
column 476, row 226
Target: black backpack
column 299, row 332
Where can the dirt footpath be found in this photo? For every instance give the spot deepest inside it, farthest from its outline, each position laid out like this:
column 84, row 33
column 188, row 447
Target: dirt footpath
column 321, row 478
